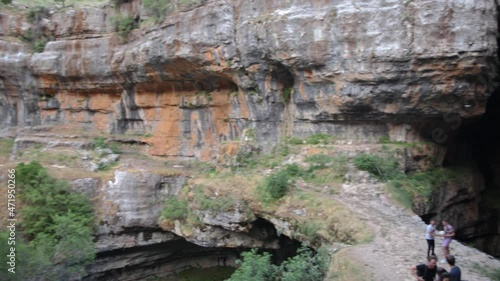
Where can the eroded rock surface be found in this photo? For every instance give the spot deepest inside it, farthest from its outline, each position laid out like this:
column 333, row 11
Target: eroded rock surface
column 283, row 68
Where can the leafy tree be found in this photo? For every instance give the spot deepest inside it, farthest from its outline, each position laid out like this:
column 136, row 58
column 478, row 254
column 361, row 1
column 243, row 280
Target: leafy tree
column 75, row 248
column 305, row 266
column 59, row 224
column 45, row 197
column 254, row 267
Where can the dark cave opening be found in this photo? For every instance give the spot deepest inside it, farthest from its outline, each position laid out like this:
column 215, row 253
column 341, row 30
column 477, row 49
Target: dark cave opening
column 165, row 260
column 476, row 145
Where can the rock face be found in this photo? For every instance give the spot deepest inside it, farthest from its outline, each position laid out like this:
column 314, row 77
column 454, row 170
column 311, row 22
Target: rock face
column 132, row 242
column 220, row 70
column 358, row 70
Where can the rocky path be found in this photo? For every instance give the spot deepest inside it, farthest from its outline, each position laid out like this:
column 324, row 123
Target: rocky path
column 399, row 237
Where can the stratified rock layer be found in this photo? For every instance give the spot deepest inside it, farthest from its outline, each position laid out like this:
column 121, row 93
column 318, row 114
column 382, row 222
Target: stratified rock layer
column 358, row 70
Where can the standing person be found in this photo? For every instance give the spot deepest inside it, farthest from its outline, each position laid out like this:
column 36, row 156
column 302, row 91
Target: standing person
column 425, row 272
column 455, row 273
column 429, row 236
column 449, row 233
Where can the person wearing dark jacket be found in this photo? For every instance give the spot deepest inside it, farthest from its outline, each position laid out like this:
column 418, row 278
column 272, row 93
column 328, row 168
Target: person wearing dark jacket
column 425, row 272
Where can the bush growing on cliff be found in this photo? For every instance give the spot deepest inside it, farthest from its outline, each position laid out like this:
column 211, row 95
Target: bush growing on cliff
column 175, row 209
column 385, row 169
column 422, row 184
column 158, row 8
column 124, row 25
column 56, row 219
column 276, row 185
column 254, row 267
column 305, row 266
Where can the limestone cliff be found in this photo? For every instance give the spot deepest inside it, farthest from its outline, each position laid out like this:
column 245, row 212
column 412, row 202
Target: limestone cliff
column 357, row 70
column 221, row 70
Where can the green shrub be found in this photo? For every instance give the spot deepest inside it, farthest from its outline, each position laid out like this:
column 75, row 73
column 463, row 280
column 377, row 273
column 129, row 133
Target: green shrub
column 36, row 14
column 56, row 219
column 309, row 229
column 319, row 160
column 175, row 209
column 384, row 169
column 420, row 184
column 124, row 25
column 287, row 94
column 305, row 266
column 319, row 138
column 276, row 184
column 223, row 204
column 293, row 170
column 45, row 198
column 31, row 261
column 39, row 45
column 254, row 267
column 295, row 141
column 6, row 2
column 99, row 143
column 158, row 8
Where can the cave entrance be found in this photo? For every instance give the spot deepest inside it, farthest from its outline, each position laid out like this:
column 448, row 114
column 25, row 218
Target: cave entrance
column 180, row 260
column 476, row 144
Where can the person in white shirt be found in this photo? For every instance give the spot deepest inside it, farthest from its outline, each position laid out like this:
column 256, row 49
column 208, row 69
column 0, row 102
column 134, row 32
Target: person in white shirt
column 429, row 236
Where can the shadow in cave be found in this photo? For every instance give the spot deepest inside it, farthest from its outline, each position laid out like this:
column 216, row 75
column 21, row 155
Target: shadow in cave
column 478, row 143
column 166, row 259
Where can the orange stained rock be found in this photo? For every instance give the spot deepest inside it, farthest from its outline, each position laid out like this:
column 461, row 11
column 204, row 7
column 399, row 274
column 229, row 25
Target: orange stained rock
column 392, row 108
column 103, row 102
column 48, row 113
column 101, row 121
column 72, row 100
column 302, row 92
column 166, row 136
column 77, row 117
column 254, row 68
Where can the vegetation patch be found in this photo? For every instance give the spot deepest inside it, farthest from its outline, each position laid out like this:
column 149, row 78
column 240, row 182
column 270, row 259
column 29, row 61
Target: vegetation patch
column 492, row 273
column 345, row 268
column 287, row 94
column 276, row 185
column 382, row 168
column 6, row 146
column 175, row 209
column 54, row 220
column 305, row 266
column 158, row 8
column 402, row 187
column 124, row 25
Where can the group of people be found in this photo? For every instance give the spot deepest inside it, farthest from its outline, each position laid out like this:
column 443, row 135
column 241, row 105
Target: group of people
column 430, row 271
